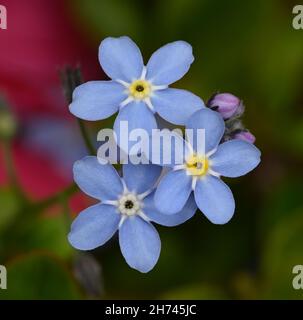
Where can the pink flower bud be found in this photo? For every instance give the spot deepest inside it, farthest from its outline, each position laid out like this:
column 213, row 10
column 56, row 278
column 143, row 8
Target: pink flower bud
column 225, row 103
column 245, row 136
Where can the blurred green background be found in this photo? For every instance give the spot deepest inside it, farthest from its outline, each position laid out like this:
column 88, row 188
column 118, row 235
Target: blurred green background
column 248, row 48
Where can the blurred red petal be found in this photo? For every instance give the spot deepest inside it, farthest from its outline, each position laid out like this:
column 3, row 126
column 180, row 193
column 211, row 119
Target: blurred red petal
column 39, row 40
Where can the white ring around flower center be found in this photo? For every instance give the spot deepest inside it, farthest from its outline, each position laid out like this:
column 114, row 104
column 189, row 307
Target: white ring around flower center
column 141, row 89
column 129, row 204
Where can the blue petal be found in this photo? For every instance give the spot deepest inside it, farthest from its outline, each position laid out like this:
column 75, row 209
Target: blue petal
column 100, row 181
column 235, row 158
column 167, row 148
column 140, row 243
column 141, row 177
column 120, row 58
column 215, row 199
column 169, row 220
column 175, row 105
column 94, row 226
column 214, row 127
column 97, row 100
column 137, row 116
column 169, row 63
column 173, row 192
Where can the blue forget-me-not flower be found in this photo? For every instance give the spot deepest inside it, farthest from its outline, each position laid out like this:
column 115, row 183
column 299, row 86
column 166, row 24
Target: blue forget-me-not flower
column 202, row 167
column 138, row 91
column 127, row 206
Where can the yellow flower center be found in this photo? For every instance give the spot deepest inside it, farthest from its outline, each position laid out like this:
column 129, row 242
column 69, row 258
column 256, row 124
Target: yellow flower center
column 140, row 89
column 197, row 165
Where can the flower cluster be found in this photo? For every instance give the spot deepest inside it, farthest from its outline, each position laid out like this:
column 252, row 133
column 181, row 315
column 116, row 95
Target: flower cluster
column 165, row 194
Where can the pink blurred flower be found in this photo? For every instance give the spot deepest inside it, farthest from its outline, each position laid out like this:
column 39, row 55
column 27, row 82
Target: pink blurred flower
column 41, row 38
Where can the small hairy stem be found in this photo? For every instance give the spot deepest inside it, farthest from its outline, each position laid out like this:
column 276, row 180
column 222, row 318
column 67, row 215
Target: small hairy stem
column 89, row 146
column 72, row 78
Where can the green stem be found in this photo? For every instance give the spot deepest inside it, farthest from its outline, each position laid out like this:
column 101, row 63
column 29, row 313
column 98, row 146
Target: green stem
column 71, row 78
column 39, row 206
column 34, row 208
column 66, row 212
column 86, row 138
column 10, row 168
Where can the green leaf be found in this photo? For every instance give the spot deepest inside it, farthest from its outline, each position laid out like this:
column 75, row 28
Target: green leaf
column 9, row 208
column 50, row 233
column 39, row 276
column 47, row 233
column 37, row 233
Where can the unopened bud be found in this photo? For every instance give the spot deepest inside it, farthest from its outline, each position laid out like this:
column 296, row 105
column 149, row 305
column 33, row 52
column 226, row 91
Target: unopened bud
column 245, row 135
column 70, row 79
column 225, row 103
